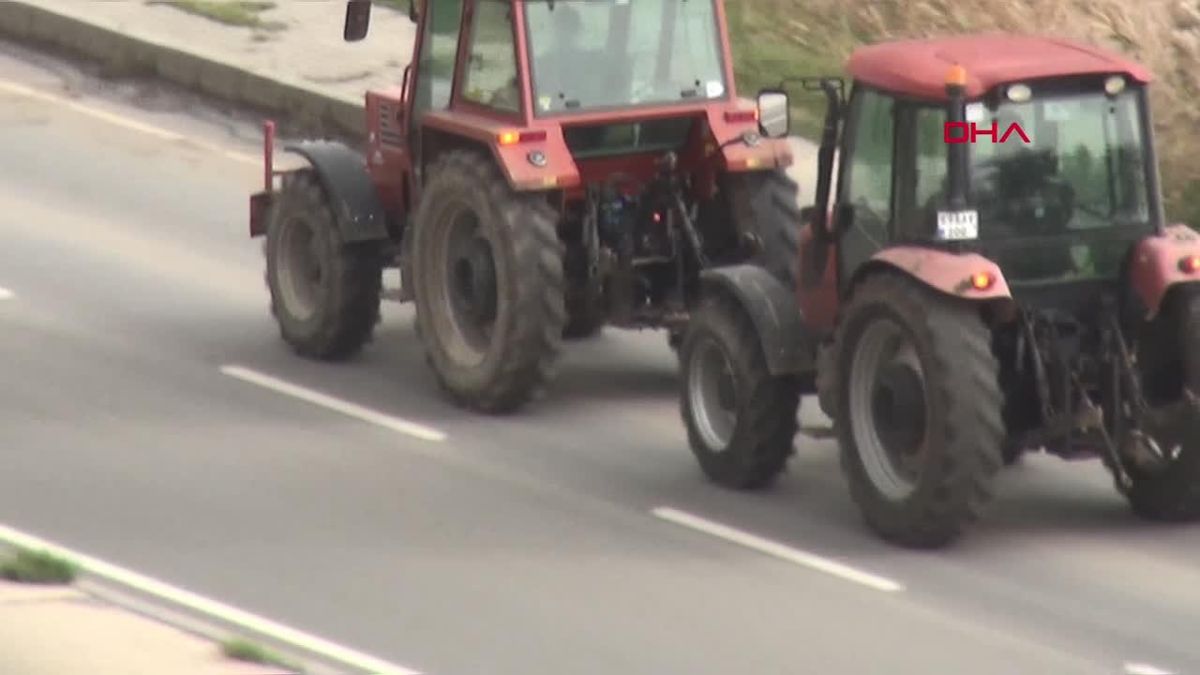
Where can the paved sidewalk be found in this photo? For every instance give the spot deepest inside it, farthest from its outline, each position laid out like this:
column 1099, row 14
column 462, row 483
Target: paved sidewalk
column 58, row 630
column 302, row 43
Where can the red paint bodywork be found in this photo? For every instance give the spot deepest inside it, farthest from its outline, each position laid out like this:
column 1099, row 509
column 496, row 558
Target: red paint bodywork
column 918, row 67
column 947, row 272
column 1154, row 269
column 389, row 115
column 819, row 303
column 944, row 271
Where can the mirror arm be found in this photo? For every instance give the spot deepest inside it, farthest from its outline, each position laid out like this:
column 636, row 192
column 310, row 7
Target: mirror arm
column 825, row 155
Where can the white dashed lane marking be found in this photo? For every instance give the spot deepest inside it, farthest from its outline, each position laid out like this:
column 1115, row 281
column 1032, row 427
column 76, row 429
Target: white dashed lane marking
column 335, row 404
column 777, row 550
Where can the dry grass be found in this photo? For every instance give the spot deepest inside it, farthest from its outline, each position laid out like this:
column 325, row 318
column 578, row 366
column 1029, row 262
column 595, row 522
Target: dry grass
column 1162, row 34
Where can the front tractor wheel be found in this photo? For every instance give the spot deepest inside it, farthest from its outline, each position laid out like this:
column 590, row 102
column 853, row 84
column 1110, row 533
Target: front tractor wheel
column 488, row 285
column 325, row 294
column 919, row 420
column 741, row 421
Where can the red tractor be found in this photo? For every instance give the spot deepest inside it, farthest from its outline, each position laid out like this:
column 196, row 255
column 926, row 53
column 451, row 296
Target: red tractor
column 992, row 275
column 544, row 169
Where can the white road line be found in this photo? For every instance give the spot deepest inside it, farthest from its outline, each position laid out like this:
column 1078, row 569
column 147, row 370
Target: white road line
column 778, row 550
column 245, row 620
column 1145, row 669
column 125, row 122
column 346, row 408
column 6, row 294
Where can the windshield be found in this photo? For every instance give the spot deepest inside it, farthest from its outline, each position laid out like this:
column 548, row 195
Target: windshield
column 591, row 54
column 1082, row 173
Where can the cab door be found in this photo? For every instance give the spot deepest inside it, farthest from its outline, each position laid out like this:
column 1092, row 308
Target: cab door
column 861, row 214
column 867, row 180
column 430, row 83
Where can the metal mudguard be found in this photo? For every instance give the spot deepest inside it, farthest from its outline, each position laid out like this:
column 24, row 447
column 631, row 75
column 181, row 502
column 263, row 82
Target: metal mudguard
column 786, row 342
column 352, row 195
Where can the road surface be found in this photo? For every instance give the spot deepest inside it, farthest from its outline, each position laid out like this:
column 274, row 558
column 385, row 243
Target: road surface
column 151, row 416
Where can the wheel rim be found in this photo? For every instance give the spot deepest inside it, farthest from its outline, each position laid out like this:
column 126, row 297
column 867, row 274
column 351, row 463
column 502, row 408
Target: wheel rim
column 301, row 271
column 465, row 294
column 888, row 414
column 712, row 391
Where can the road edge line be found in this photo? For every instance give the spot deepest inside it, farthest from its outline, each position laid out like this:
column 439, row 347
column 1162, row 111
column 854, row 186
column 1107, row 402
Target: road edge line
column 160, row 590
column 777, row 550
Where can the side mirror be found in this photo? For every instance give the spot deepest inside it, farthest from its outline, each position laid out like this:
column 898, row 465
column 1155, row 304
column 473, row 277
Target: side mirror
column 774, row 113
column 358, row 20
column 412, row 11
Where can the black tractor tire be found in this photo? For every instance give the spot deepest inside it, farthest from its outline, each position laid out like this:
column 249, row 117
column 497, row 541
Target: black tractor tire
column 1172, row 493
column 1011, row 453
column 334, row 316
column 721, row 347
column 764, row 205
column 508, row 362
column 958, row 443
column 585, row 316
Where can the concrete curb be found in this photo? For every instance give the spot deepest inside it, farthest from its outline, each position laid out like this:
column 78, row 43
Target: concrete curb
column 126, row 53
column 200, row 615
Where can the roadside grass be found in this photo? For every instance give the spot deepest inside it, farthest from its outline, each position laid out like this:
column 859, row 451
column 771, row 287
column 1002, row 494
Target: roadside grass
column 770, row 44
column 243, row 13
column 240, row 649
column 37, row 567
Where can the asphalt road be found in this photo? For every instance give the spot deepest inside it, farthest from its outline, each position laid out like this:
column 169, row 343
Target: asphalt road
column 526, row 546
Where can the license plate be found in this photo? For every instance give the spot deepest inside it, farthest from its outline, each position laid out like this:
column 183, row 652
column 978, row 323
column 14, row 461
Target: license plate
column 957, row 225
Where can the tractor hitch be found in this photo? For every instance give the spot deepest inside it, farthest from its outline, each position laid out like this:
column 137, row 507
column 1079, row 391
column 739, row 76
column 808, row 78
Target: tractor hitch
column 260, row 203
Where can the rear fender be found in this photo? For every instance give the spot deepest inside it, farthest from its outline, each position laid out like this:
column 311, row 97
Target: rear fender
column 542, row 163
column 533, row 159
column 1155, row 267
column 772, row 308
column 352, row 194
column 947, row 272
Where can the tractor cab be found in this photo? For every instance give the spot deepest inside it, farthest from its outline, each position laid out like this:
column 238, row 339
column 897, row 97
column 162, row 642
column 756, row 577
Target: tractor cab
column 1041, row 162
column 576, row 82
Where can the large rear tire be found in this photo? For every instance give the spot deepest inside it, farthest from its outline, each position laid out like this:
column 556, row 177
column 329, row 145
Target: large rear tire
column 1171, row 493
column 764, row 205
column 325, row 294
column 488, row 284
column 741, row 421
column 919, row 413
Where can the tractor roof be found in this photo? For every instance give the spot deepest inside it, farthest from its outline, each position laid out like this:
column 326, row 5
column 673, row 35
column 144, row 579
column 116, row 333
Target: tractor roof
column 919, row 67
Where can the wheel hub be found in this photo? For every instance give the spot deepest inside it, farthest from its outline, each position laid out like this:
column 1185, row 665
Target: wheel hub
column 474, row 279
column 898, row 410
column 301, row 272
column 712, row 391
column 888, row 409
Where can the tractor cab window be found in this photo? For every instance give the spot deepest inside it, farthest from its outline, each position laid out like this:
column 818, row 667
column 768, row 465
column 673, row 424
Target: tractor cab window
column 1081, row 175
column 435, row 67
column 490, row 78
column 618, row 53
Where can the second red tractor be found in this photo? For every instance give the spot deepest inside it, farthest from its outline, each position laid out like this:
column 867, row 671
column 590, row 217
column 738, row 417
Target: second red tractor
column 962, row 303
column 544, row 169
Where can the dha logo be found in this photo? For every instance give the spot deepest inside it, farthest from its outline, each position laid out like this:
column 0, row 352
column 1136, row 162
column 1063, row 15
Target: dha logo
column 969, row 132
